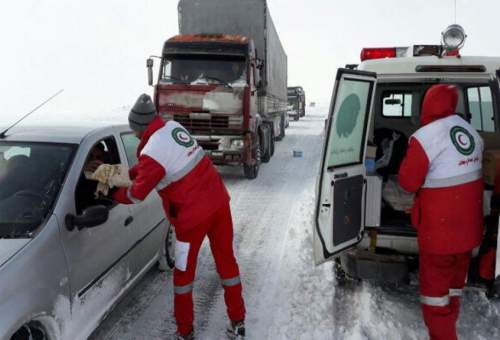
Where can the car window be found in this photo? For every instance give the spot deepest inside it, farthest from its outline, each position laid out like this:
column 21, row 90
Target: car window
column 31, row 175
column 346, row 134
column 130, row 142
column 481, row 108
column 397, row 104
column 103, row 152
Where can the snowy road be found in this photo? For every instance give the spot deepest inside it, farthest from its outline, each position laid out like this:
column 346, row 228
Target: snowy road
column 286, row 296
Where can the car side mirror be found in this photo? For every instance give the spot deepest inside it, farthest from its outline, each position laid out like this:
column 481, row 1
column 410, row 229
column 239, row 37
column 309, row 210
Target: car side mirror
column 91, row 217
column 149, row 65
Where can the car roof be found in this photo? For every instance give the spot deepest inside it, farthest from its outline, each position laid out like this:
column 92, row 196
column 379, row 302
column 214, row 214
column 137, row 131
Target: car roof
column 408, row 65
column 60, row 133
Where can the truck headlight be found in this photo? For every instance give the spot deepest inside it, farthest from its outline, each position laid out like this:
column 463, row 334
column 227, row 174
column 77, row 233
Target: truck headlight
column 237, row 144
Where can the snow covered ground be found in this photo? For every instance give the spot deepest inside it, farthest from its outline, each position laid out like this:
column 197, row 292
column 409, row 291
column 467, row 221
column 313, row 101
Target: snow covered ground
column 287, row 297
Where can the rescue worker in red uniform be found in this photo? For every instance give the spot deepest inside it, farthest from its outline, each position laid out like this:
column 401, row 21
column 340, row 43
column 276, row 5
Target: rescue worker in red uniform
column 443, row 166
column 196, row 203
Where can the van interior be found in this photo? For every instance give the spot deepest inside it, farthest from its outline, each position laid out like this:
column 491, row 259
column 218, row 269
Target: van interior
column 395, row 119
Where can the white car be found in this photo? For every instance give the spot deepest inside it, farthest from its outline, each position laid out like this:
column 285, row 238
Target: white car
column 66, row 257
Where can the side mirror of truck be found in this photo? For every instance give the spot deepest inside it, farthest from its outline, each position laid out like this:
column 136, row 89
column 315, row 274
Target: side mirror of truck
column 149, row 65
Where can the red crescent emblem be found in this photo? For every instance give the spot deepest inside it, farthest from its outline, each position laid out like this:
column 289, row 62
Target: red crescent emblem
column 461, row 141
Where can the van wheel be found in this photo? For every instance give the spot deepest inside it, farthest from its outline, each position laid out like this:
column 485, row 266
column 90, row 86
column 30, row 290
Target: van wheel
column 167, row 260
column 31, row 331
column 252, row 171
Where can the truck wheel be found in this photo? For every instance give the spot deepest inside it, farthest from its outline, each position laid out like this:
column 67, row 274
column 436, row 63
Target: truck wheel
column 252, row 171
column 296, row 118
column 282, row 129
column 265, row 135
column 273, row 141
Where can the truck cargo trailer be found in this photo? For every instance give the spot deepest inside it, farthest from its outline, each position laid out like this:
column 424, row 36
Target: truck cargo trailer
column 225, row 79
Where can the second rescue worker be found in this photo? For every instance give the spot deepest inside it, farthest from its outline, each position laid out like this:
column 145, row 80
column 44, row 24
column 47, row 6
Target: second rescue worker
column 443, row 166
column 196, row 203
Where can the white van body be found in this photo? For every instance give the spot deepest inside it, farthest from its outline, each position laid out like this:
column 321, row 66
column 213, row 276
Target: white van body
column 362, row 217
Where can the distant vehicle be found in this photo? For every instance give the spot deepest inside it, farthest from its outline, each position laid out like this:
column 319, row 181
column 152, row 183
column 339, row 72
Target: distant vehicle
column 224, row 78
column 296, row 102
column 362, row 216
column 312, row 104
column 66, row 257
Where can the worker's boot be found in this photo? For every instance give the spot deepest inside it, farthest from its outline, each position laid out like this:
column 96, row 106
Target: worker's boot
column 190, row 336
column 236, row 330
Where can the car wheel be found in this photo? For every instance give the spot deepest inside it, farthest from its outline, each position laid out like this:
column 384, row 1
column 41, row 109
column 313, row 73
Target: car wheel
column 167, row 260
column 32, row 331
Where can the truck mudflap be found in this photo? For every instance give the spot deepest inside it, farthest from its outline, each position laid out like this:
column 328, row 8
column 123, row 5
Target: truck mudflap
column 380, row 266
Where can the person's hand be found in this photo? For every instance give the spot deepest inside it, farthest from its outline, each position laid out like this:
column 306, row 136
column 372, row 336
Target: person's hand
column 93, row 165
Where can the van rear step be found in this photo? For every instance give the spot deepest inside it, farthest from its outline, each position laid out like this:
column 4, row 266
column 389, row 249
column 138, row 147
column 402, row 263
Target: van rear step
column 380, row 266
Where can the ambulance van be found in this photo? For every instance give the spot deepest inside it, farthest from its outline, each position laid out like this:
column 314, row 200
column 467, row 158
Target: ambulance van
column 362, row 218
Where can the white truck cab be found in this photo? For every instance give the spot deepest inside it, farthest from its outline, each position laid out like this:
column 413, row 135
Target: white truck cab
column 362, row 215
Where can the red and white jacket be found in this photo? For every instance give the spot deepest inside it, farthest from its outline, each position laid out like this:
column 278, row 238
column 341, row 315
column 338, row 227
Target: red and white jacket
column 443, row 166
column 172, row 162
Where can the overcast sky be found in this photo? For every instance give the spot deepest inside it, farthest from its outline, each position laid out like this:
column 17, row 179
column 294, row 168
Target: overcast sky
column 96, row 49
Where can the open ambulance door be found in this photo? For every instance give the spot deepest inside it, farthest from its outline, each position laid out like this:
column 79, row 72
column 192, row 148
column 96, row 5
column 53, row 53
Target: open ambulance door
column 497, row 266
column 340, row 193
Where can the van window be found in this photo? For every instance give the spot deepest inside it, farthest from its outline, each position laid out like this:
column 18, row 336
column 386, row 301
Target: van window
column 481, row 108
column 397, row 104
column 349, row 122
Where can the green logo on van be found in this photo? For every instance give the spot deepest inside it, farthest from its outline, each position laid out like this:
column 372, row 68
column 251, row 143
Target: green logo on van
column 462, row 140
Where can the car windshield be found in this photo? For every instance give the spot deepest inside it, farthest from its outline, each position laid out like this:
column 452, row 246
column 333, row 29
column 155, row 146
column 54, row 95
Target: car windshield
column 204, row 70
column 31, row 175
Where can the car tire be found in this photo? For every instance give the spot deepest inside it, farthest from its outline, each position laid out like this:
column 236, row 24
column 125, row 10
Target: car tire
column 167, row 259
column 296, row 118
column 31, row 331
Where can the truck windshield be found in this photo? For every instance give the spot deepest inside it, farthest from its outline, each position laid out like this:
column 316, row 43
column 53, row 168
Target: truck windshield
column 191, row 69
column 31, row 175
column 293, row 103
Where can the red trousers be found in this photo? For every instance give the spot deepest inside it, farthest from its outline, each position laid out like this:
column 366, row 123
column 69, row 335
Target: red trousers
column 219, row 229
column 442, row 279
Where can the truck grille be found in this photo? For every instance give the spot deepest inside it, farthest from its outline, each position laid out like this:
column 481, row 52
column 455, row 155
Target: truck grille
column 212, row 123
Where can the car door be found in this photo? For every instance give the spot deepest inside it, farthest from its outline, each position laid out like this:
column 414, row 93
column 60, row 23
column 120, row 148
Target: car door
column 340, row 196
column 97, row 256
column 149, row 221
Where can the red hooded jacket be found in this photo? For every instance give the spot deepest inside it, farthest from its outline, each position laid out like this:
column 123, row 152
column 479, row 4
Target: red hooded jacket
column 443, row 167
column 189, row 197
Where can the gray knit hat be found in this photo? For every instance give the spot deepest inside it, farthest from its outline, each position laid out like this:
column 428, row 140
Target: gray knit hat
column 142, row 113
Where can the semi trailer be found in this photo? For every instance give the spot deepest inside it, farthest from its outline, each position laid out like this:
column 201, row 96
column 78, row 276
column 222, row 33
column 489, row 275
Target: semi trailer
column 224, row 78
column 296, row 102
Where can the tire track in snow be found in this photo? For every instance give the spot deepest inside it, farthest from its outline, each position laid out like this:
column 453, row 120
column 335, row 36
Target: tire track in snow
column 262, row 215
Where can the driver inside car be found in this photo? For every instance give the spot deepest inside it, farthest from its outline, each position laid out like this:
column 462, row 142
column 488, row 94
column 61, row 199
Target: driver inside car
column 86, row 188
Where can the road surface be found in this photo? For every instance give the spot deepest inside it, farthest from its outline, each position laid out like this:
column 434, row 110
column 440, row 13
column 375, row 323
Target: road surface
column 286, row 296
